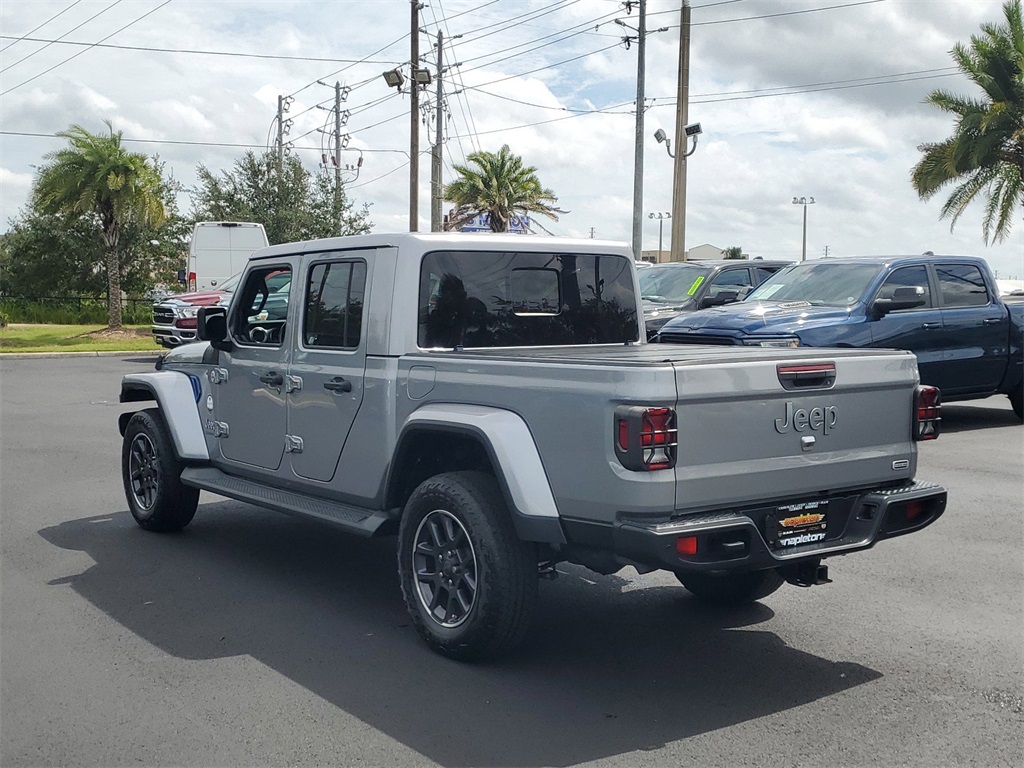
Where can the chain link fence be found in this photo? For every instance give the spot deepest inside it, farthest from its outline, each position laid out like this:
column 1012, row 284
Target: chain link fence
column 72, row 310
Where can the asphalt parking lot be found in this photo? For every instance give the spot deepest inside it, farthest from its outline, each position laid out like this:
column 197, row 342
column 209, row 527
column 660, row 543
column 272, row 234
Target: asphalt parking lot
column 254, row 639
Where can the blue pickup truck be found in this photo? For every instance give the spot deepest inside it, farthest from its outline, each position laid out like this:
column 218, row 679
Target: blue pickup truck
column 946, row 310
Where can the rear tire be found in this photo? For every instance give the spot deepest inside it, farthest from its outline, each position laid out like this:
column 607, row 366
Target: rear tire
column 469, row 582
column 1017, row 401
column 151, row 473
column 733, row 588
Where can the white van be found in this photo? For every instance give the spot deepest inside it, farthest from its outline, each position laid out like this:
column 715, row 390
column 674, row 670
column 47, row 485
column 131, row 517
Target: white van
column 221, row 249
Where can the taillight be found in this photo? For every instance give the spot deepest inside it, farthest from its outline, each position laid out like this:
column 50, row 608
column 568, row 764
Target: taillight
column 645, row 438
column 192, row 282
column 927, row 413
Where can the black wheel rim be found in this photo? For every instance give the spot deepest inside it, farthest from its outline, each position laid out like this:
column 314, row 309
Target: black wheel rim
column 144, row 472
column 445, row 569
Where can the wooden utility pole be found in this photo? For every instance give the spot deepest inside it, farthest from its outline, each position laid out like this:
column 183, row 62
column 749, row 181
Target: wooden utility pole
column 414, row 121
column 436, row 187
column 682, row 112
column 638, row 146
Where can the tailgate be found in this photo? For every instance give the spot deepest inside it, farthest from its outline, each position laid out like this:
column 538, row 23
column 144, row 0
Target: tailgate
column 792, row 427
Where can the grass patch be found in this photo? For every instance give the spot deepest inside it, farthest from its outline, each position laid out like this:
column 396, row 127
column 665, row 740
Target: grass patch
column 23, row 337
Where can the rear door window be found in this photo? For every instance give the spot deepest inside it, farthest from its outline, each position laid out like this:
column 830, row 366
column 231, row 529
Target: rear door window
column 334, row 305
column 505, row 299
column 961, row 285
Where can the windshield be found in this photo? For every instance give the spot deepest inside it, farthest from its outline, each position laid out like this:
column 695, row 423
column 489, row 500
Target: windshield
column 229, row 285
column 832, row 285
column 675, row 283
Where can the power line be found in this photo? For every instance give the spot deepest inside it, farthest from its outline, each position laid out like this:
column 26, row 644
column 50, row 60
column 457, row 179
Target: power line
column 69, row 58
column 193, row 51
column 531, row 104
column 784, row 13
column 378, row 178
column 360, row 61
column 550, row 66
column 585, row 24
column 513, row 22
column 762, row 93
column 463, row 102
column 36, row 28
column 445, row 19
column 37, row 50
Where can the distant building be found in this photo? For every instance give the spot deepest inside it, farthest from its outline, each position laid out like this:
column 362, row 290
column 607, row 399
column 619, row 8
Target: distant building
column 705, row 252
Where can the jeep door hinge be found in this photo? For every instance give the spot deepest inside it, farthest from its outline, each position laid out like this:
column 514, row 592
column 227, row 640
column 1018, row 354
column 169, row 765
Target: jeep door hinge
column 292, row 384
column 292, row 444
column 217, row 428
column 218, row 375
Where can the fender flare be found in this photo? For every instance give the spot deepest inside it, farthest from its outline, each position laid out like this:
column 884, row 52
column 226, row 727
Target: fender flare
column 174, row 393
column 514, row 456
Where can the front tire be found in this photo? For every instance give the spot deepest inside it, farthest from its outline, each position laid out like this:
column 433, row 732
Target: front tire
column 1017, row 401
column 731, row 589
column 151, row 473
column 469, row 582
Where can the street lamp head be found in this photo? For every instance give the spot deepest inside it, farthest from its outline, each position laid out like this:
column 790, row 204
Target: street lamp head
column 394, row 78
column 796, row 201
column 692, row 129
column 660, row 135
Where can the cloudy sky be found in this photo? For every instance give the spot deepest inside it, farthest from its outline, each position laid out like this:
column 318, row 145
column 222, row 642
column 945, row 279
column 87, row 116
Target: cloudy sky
column 812, row 98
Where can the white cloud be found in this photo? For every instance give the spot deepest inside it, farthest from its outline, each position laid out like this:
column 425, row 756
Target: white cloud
column 849, row 144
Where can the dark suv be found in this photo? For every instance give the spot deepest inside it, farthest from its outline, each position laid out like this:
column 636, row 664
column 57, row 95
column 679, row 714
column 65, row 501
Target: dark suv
column 678, row 288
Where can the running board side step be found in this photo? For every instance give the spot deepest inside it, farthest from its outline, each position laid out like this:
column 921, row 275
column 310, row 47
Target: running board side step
column 353, row 519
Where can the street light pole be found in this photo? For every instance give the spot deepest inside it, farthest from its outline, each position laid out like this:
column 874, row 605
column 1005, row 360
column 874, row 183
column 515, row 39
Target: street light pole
column 804, row 201
column 661, row 227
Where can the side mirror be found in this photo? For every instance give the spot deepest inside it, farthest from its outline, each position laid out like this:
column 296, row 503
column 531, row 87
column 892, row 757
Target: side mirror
column 906, row 297
column 720, row 298
column 212, row 326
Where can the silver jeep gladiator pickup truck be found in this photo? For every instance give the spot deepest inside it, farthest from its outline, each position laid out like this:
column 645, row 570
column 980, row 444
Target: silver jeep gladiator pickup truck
column 491, row 400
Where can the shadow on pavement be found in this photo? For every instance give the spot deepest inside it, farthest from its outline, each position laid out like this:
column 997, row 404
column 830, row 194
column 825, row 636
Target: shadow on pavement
column 608, row 669
column 961, row 417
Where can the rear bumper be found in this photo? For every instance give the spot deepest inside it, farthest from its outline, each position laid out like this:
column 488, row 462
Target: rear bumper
column 744, row 540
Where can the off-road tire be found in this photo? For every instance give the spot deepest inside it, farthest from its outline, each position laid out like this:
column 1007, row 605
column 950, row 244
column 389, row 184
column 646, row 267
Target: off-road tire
column 151, row 473
column 733, row 588
column 1017, row 401
column 482, row 581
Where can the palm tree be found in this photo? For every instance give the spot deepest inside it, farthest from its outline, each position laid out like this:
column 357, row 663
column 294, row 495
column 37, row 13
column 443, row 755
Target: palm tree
column 985, row 154
column 498, row 185
column 96, row 177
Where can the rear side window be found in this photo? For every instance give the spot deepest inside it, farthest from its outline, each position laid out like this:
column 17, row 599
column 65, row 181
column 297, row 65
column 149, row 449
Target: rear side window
column 334, row 305
column 961, row 285
column 507, row 299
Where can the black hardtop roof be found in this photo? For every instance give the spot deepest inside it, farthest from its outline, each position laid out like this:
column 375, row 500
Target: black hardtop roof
column 920, row 258
column 712, row 263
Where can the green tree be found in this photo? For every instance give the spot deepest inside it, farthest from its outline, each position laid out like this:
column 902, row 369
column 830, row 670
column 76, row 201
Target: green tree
column 500, row 186
column 59, row 255
column 98, row 178
column 732, row 252
column 290, row 202
column 985, row 154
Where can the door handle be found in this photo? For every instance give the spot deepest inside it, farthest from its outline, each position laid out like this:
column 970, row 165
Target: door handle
column 338, row 384
column 992, row 320
column 273, row 378
column 931, row 326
